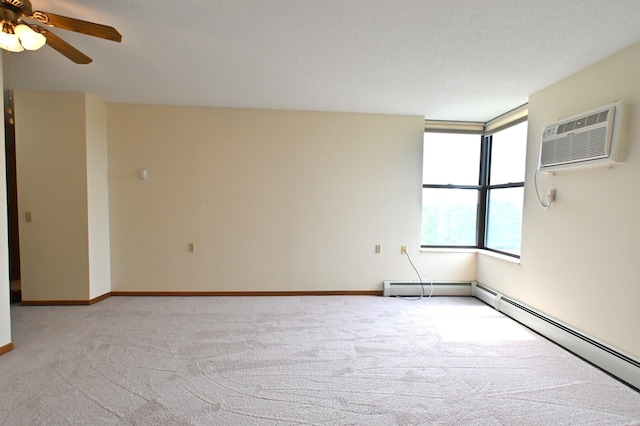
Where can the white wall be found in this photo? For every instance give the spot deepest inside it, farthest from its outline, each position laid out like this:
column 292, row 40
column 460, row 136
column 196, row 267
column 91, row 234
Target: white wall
column 579, row 259
column 98, row 197
column 273, row 200
column 5, row 317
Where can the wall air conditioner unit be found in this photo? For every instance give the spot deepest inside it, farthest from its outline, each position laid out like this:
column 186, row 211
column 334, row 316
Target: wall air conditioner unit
column 593, row 138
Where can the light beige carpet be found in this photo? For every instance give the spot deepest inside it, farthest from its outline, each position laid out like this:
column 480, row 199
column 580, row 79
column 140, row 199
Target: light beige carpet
column 296, row 360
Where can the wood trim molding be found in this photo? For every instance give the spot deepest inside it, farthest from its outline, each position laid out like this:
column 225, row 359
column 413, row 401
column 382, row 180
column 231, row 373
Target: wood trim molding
column 65, row 302
column 198, row 293
column 100, row 298
column 249, row 293
column 6, row 348
column 54, row 302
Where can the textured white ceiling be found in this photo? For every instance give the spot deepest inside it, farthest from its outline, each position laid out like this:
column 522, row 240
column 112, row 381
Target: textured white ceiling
column 443, row 59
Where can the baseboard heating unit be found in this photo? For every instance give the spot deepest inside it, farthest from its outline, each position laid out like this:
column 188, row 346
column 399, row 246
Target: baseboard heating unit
column 621, row 365
column 440, row 288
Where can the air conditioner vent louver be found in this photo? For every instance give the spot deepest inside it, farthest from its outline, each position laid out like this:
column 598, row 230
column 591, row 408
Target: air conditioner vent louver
column 588, row 139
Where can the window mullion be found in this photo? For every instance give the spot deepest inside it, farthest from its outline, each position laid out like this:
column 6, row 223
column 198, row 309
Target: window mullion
column 506, row 185
column 485, row 167
column 437, row 186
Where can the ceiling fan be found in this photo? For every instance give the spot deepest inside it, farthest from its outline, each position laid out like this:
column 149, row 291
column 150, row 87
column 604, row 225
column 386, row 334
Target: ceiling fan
column 20, row 30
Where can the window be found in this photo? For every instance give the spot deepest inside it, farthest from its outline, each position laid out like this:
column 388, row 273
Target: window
column 450, row 189
column 505, row 189
column 473, row 186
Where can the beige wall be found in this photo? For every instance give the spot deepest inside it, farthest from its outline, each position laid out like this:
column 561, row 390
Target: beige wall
column 5, row 318
column 447, row 265
column 281, row 200
column 61, row 157
column 580, row 257
column 273, row 200
column 52, row 181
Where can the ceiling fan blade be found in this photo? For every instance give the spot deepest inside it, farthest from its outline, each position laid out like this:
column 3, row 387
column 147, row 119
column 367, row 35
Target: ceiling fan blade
column 77, row 25
column 65, row 48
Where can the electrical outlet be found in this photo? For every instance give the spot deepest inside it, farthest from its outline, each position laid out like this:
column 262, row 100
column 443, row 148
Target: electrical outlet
column 378, row 248
column 403, row 249
column 551, row 196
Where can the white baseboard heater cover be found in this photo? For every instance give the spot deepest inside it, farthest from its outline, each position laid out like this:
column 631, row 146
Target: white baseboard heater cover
column 485, row 294
column 440, row 288
column 621, row 365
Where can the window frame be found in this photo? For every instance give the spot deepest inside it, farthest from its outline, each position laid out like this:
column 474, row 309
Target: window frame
column 485, row 132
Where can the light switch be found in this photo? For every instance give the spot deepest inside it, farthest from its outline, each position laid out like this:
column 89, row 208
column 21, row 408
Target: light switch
column 28, row 217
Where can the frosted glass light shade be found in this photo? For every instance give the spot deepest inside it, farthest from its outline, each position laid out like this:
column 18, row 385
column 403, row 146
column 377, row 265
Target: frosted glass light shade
column 10, row 42
column 30, row 40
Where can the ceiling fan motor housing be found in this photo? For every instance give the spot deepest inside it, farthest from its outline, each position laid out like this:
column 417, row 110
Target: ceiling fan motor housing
column 9, row 15
column 23, row 5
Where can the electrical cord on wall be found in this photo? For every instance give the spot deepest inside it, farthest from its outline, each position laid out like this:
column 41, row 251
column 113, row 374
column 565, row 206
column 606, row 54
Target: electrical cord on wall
column 420, row 279
column 535, row 184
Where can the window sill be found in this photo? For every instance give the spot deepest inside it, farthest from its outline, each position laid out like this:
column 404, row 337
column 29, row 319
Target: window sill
column 489, row 253
column 448, row 250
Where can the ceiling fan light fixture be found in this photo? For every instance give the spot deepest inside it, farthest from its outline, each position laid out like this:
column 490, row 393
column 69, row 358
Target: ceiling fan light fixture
column 10, row 41
column 18, row 31
column 30, row 39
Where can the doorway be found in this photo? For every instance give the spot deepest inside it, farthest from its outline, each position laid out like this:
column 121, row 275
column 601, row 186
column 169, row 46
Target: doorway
column 12, row 197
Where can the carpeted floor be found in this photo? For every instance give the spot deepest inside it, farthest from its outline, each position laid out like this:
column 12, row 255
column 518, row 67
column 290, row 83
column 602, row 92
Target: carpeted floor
column 296, row 360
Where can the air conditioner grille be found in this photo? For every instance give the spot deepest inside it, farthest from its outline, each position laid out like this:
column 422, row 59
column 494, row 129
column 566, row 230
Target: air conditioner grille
column 547, row 153
column 597, row 142
column 580, row 146
column 588, row 144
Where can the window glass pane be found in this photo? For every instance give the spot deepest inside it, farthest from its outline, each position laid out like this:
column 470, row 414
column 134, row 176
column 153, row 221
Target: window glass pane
column 449, row 217
column 504, row 223
column 451, row 158
column 508, row 155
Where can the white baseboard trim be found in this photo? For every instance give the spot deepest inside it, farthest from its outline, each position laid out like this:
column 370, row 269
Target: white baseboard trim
column 440, row 288
column 617, row 363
